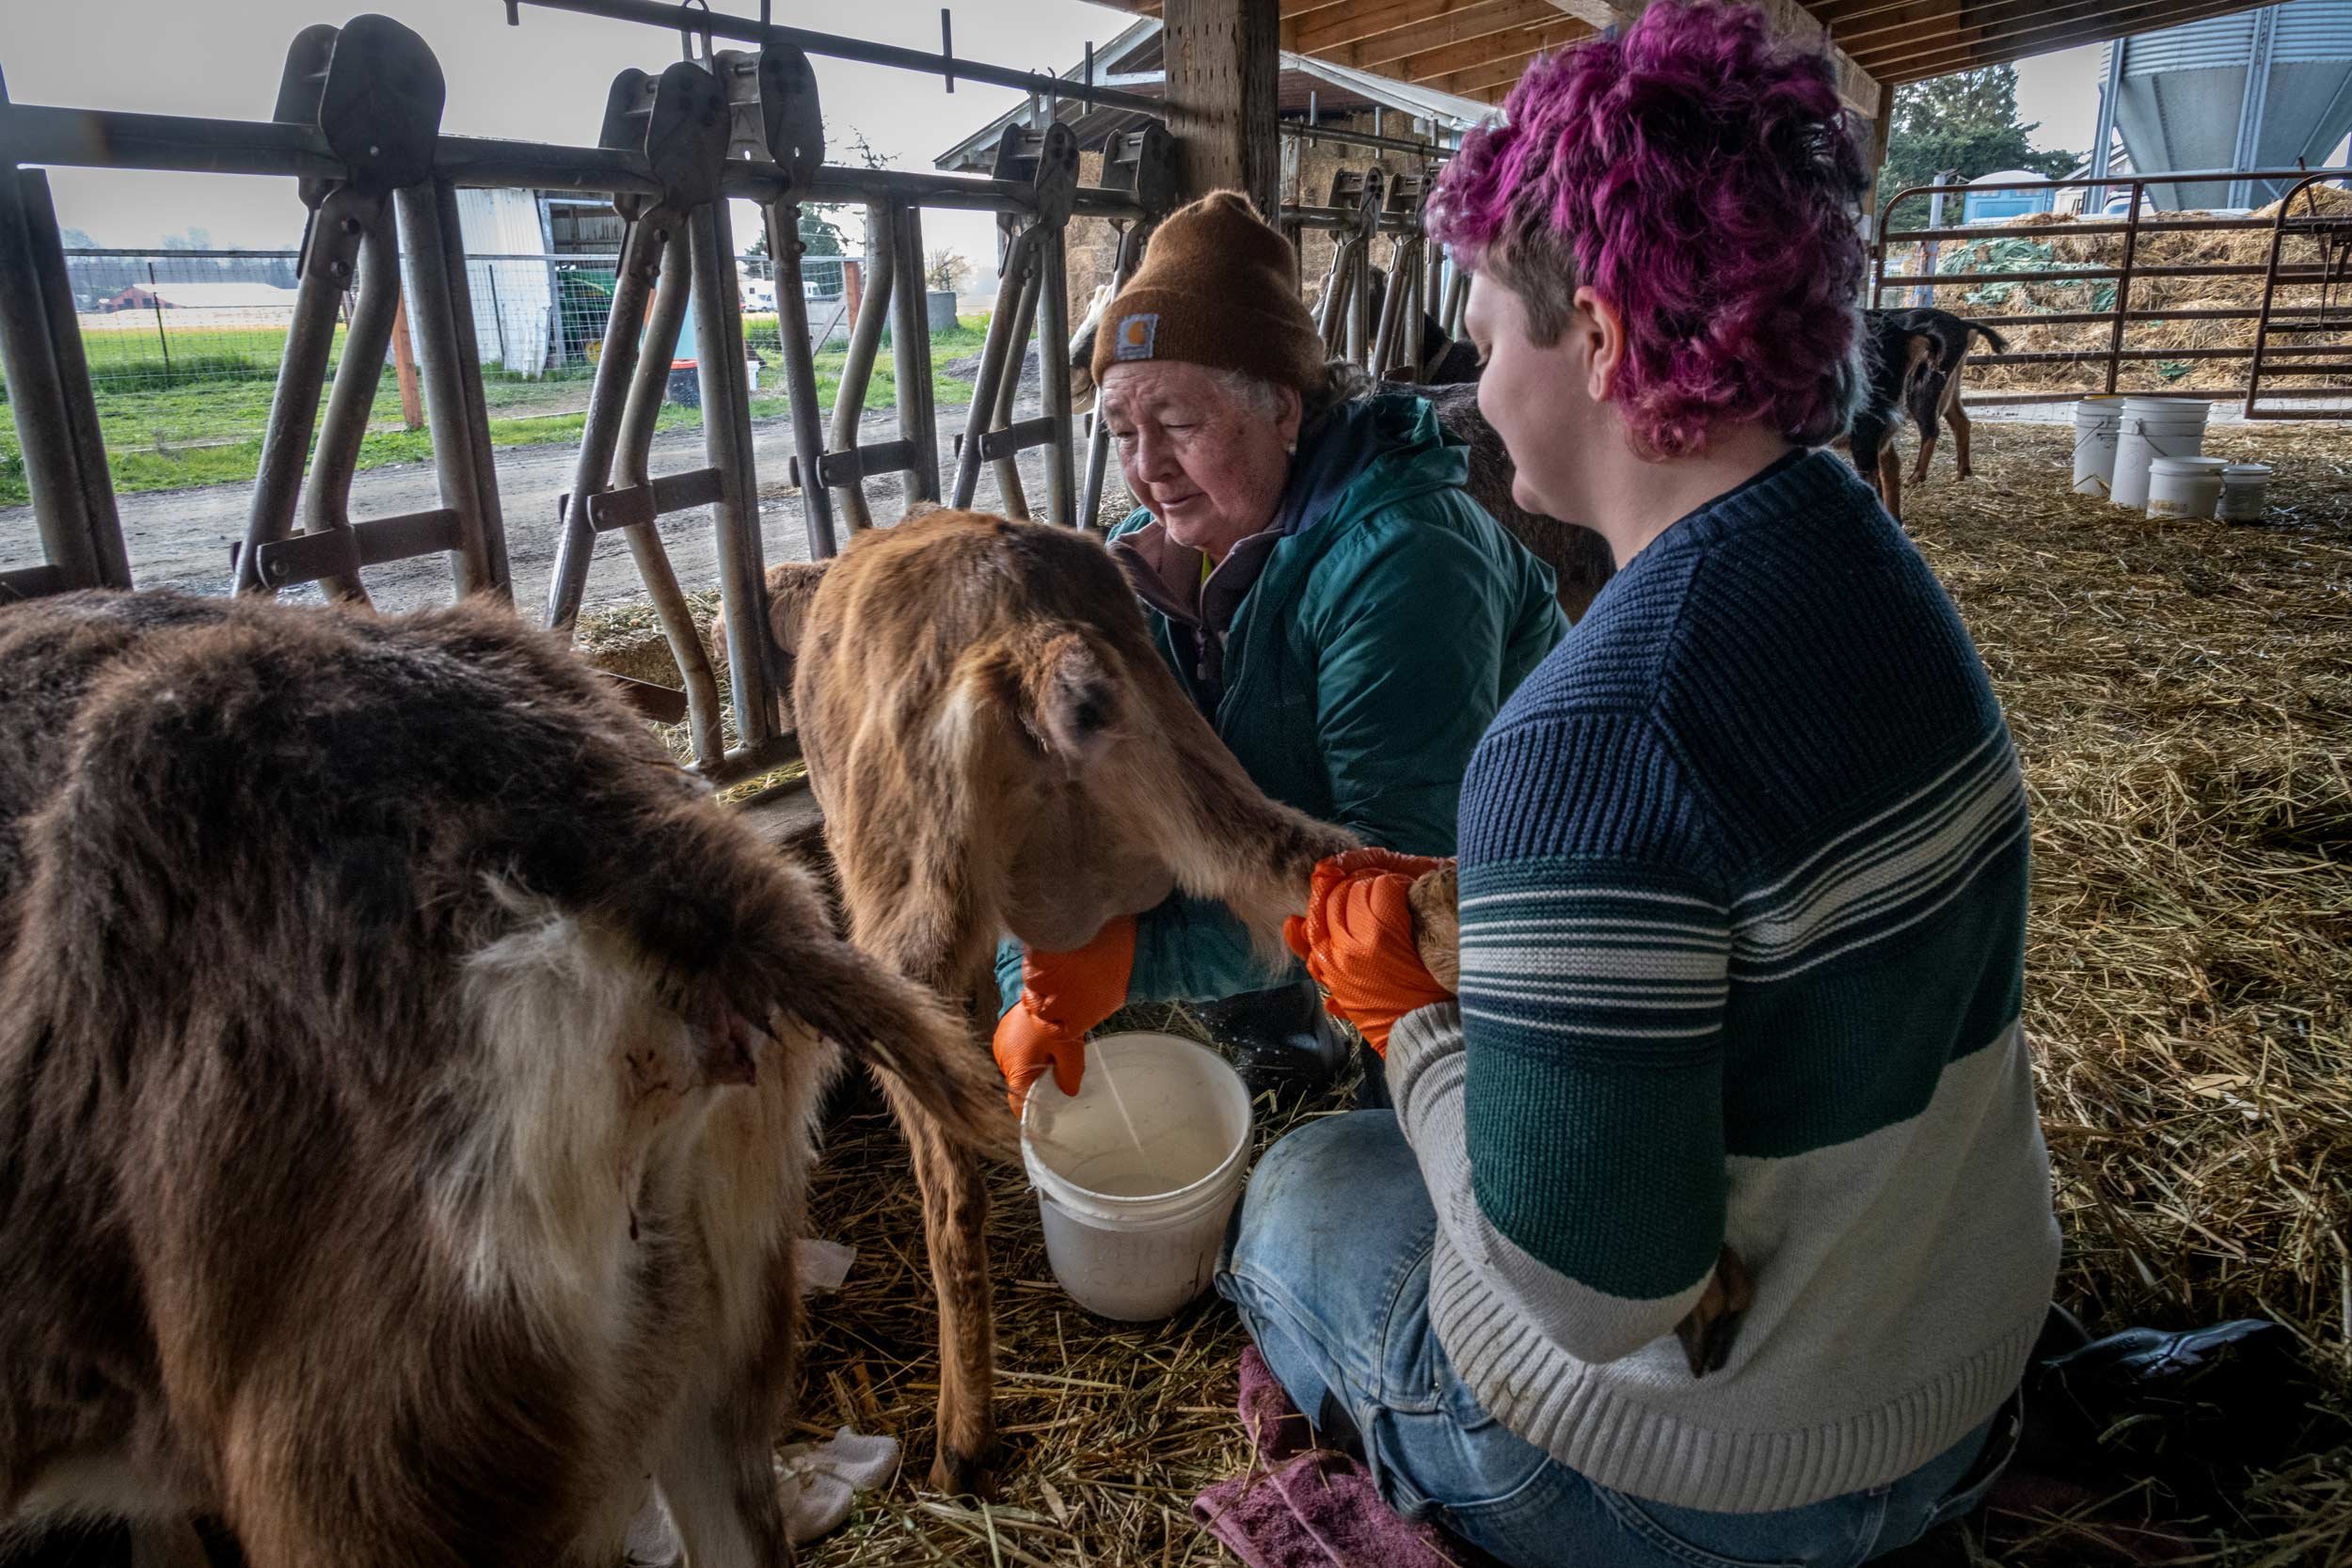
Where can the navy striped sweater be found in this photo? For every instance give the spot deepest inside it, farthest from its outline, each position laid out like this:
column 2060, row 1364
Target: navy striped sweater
column 1743, row 875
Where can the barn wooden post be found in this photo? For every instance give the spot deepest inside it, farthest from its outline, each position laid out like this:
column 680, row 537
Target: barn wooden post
column 404, row 367
column 1882, row 125
column 1223, row 57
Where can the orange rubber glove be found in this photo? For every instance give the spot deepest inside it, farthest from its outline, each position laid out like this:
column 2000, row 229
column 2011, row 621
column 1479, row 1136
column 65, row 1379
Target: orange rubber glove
column 1062, row 996
column 1357, row 939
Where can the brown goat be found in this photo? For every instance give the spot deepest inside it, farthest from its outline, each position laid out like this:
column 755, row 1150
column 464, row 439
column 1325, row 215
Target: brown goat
column 405, row 1086
column 998, row 747
column 1579, row 557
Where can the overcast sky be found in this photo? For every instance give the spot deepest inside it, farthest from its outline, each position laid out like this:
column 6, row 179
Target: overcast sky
column 546, row 81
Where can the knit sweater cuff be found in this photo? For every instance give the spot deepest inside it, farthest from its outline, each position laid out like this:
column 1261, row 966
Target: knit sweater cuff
column 1420, row 1039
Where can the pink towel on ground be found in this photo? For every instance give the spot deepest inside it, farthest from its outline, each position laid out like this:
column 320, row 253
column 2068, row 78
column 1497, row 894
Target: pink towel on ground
column 1308, row 1509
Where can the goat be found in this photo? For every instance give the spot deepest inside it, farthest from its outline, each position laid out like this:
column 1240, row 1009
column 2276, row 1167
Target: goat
column 1915, row 359
column 1579, row 559
column 406, row 1078
column 998, row 747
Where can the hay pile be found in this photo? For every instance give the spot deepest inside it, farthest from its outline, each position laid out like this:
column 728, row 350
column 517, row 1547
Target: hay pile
column 2235, row 246
column 2181, row 694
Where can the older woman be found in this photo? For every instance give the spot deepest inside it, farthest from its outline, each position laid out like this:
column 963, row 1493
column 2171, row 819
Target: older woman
column 1343, row 614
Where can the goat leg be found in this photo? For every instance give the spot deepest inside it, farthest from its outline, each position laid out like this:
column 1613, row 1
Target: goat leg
column 1437, row 926
column 955, row 1225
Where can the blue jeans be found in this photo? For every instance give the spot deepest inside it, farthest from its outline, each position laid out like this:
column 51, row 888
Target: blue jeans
column 1329, row 1265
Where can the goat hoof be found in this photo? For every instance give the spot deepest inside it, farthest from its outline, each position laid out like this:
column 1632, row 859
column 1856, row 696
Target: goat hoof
column 960, row 1476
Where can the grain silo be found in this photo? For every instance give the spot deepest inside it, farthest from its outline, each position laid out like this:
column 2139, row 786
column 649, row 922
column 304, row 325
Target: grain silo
column 2259, row 89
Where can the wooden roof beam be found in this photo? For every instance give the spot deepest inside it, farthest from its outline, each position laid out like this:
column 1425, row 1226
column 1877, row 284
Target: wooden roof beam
column 1477, row 81
column 2057, row 26
column 1481, row 21
column 1435, row 64
column 1354, row 22
column 1856, row 84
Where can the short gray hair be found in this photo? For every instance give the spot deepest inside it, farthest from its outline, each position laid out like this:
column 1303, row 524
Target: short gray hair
column 1343, row 382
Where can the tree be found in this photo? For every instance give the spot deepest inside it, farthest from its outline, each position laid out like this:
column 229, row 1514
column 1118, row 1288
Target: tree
column 195, row 239
column 77, row 239
column 821, row 231
column 820, row 234
column 1966, row 124
column 947, row 270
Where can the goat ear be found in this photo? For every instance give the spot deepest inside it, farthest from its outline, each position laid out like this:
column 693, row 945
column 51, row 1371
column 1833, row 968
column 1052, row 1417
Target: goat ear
column 792, row 588
column 1075, row 701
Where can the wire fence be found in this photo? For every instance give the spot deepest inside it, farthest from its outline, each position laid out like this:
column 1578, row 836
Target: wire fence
column 184, row 347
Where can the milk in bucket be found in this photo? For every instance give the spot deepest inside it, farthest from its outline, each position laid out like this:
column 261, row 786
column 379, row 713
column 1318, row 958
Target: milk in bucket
column 2154, row 428
column 1137, row 1173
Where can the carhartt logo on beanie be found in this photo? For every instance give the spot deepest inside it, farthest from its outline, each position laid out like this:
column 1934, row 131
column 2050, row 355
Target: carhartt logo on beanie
column 1215, row 289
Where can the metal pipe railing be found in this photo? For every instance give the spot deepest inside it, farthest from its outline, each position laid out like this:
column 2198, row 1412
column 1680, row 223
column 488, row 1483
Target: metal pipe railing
column 857, row 368
column 440, row 307
column 911, row 358
column 608, row 399
column 114, row 138
column 49, row 396
column 336, row 229
column 632, row 466
column 1009, row 492
column 676, row 18
column 728, row 443
column 1000, row 360
column 326, row 504
column 793, row 339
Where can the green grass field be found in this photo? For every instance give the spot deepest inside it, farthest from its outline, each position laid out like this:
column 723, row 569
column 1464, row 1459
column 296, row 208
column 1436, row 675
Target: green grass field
column 200, row 421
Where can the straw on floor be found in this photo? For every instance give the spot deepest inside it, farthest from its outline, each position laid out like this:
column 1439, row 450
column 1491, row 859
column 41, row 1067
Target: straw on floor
column 2182, row 695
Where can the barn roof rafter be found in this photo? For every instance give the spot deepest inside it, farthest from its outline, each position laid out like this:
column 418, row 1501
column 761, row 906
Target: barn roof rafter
column 1476, row 48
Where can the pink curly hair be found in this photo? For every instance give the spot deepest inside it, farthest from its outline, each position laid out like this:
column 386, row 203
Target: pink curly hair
column 1704, row 181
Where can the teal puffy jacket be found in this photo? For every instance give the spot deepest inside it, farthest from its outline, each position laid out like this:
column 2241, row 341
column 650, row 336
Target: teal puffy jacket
column 1360, row 672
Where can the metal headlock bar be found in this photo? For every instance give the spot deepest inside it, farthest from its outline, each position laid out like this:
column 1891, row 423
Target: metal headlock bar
column 1142, row 163
column 952, row 68
column 357, row 126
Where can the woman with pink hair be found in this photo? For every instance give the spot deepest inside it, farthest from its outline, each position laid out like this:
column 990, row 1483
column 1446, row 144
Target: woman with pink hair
column 1743, row 898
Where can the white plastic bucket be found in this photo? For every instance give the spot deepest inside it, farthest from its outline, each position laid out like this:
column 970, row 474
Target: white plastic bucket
column 1136, row 1175
column 2154, row 428
column 2244, row 492
column 2098, row 423
column 2183, row 486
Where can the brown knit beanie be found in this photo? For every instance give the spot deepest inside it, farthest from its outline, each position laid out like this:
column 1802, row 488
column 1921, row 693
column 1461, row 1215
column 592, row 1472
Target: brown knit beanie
column 1215, row 289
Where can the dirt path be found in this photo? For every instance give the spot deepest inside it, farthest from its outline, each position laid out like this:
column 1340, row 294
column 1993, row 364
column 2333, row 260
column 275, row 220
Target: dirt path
column 180, row 538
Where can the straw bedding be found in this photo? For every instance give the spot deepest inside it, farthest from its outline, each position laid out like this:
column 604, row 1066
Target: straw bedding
column 2181, row 694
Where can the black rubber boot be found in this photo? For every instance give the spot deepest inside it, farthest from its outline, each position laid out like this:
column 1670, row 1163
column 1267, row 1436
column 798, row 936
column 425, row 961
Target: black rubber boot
column 1279, row 1039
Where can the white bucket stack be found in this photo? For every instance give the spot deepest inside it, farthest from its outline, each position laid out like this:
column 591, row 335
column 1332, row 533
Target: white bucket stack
column 2184, row 486
column 2154, row 428
column 1137, row 1173
column 2098, row 423
column 2244, row 492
